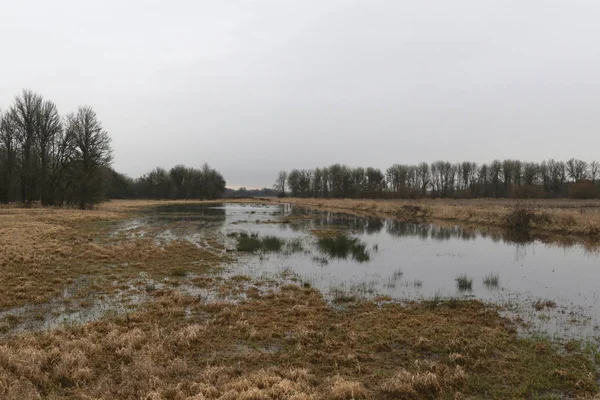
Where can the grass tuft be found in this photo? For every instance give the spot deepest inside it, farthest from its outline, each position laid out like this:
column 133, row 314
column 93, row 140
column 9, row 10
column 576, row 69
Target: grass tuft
column 344, row 246
column 252, row 243
column 464, row 282
column 341, row 296
column 492, row 281
column 541, row 304
column 435, row 301
column 271, row 244
column 248, row 242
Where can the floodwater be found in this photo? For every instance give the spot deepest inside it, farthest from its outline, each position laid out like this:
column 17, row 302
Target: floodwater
column 547, row 289
column 407, row 261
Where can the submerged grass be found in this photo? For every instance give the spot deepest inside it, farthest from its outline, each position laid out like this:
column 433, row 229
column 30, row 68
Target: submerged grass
column 272, row 243
column 252, row 243
column 542, row 304
column 248, row 242
column 464, row 282
column 344, row 246
column 492, row 281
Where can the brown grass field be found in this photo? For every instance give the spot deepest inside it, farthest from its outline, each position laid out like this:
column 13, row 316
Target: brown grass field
column 250, row 339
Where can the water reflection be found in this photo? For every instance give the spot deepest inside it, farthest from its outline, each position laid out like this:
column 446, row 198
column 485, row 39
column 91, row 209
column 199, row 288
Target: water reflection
column 404, row 260
column 426, row 231
column 343, row 247
column 421, row 260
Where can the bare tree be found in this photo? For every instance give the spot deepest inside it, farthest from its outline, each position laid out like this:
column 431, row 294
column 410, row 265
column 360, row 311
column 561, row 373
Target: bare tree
column 8, row 158
column 576, row 169
column 280, row 182
column 594, row 171
column 60, row 167
column 25, row 117
column 92, row 152
column 424, row 177
column 49, row 126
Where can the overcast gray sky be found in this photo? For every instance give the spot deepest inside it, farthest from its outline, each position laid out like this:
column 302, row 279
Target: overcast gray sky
column 252, row 87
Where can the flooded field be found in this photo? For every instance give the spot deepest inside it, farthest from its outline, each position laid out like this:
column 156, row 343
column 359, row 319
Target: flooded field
column 242, row 300
column 550, row 289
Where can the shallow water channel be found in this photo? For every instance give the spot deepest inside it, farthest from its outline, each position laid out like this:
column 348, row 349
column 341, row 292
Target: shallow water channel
column 551, row 289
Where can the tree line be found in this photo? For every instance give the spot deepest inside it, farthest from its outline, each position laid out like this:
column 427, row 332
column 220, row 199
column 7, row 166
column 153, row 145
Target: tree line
column 66, row 160
column 180, row 182
column 244, row 192
column 509, row 178
column 50, row 158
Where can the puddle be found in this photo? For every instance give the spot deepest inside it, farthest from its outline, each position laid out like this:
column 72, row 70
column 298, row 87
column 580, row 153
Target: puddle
column 69, row 310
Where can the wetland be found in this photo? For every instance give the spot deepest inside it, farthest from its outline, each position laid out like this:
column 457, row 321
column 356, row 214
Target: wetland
column 260, row 300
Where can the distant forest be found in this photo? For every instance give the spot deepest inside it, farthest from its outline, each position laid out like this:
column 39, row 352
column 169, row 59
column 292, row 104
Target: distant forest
column 66, row 161
column 179, row 182
column 243, row 192
column 508, row 178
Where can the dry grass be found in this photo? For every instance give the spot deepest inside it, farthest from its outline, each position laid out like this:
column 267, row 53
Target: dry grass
column 565, row 217
column 182, row 348
column 45, row 250
column 328, row 233
column 127, row 206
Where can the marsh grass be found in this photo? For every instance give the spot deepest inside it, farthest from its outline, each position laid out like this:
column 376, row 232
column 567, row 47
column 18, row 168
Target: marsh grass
column 344, row 246
column 293, row 246
column 541, row 304
column 340, row 296
column 248, row 242
column 492, row 280
column 115, row 357
column 322, row 261
column 435, row 300
column 464, row 282
column 271, row 243
column 251, row 243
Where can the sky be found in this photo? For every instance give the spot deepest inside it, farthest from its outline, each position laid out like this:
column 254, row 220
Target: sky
column 254, row 87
